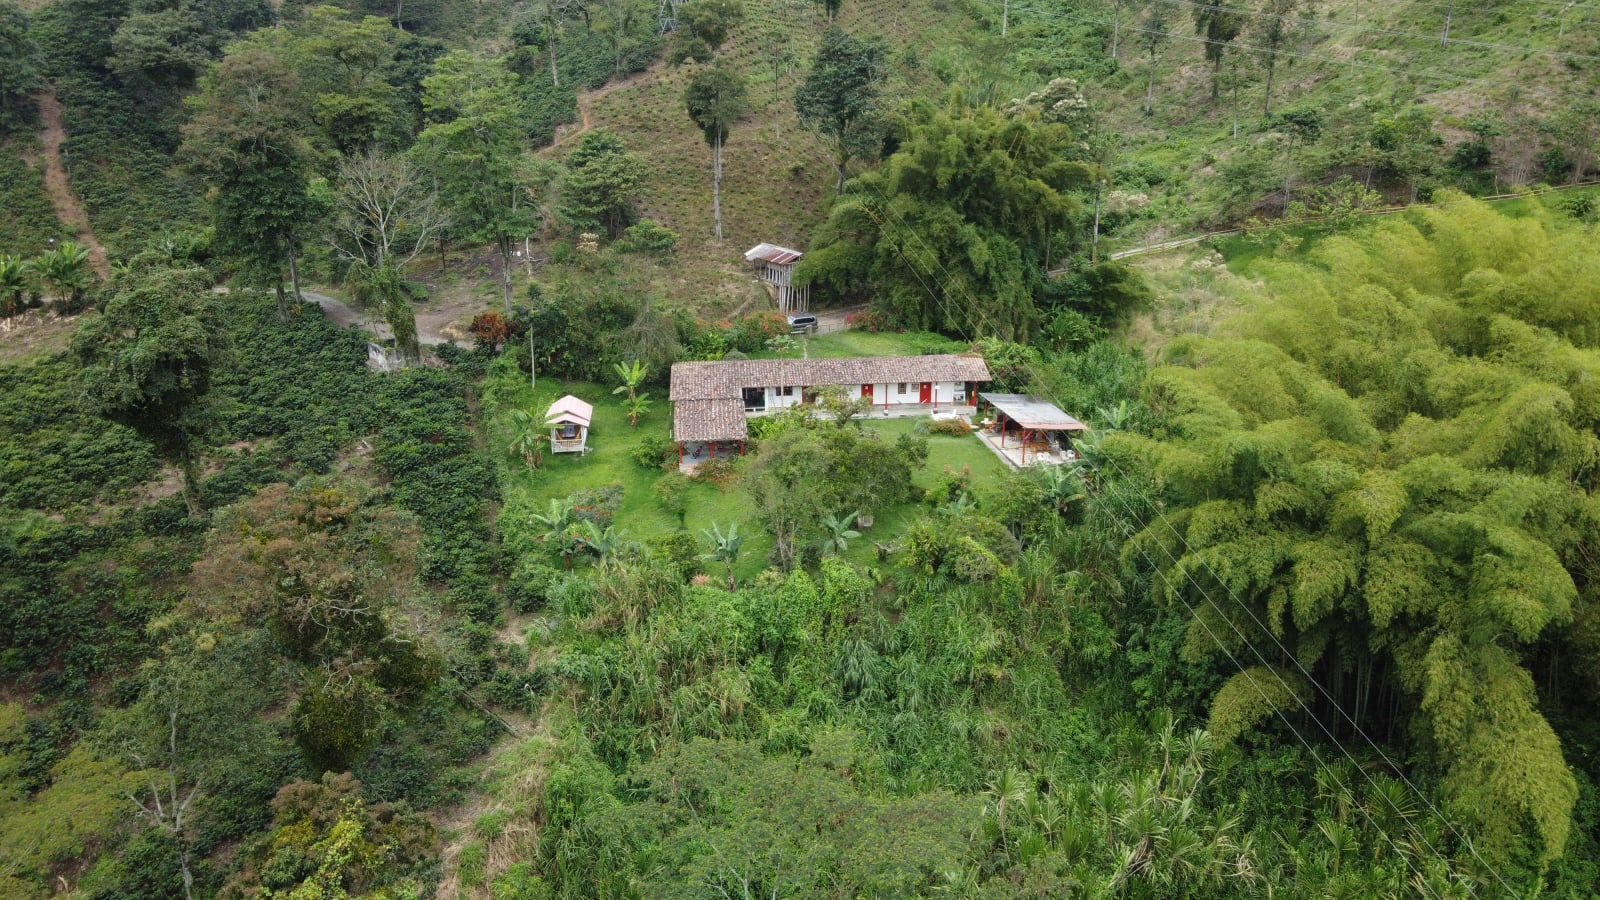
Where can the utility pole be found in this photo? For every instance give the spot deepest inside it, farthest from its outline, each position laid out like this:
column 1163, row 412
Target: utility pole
column 1449, row 16
column 1094, row 242
column 1005, row 16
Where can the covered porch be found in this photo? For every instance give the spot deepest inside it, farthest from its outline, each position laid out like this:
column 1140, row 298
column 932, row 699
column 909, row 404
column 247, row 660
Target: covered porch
column 569, row 420
column 1027, row 431
column 708, row 429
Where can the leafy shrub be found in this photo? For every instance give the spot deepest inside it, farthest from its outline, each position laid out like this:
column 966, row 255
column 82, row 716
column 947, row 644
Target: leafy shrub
column 597, row 504
column 680, row 549
column 751, row 332
column 529, row 586
column 870, row 320
column 650, row 236
column 669, row 493
column 714, row 471
column 951, row 427
column 653, row 451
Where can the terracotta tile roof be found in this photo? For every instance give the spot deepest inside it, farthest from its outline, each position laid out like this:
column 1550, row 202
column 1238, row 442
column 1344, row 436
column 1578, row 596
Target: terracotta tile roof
column 708, row 420
column 726, row 379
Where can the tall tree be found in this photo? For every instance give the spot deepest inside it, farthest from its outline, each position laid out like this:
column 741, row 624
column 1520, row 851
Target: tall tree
column 839, row 98
column 247, row 139
column 21, row 68
column 951, row 232
column 715, row 99
column 1119, row 9
column 703, row 27
column 386, row 210
column 603, row 178
column 197, row 718
column 1278, row 28
column 474, row 146
column 149, row 356
column 1152, row 37
column 1219, row 26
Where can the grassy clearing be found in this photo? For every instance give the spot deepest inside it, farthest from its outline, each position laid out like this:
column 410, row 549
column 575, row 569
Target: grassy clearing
column 866, row 343
column 643, row 516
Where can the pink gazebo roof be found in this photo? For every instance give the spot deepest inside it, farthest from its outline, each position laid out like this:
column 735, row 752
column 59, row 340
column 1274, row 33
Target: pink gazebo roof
column 569, row 410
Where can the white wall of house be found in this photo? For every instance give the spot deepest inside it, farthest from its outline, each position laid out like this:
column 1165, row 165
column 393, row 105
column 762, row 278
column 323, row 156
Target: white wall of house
column 891, row 394
column 776, row 398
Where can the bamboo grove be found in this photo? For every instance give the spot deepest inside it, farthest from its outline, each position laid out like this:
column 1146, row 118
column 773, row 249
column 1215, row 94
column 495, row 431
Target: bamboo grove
column 1381, row 479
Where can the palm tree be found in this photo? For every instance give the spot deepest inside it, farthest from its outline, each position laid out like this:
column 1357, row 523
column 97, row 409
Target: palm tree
column 66, row 269
column 15, row 279
column 527, row 437
column 1063, row 486
column 839, row 534
column 636, row 407
column 724, row 547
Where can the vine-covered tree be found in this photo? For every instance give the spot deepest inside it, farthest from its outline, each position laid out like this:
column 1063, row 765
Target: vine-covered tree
column 148, row 359
column 951, row 232
column 1219, row 26
column 715, row 99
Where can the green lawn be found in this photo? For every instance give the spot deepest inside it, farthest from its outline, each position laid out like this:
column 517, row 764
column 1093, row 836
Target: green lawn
column 612, row 441
column 867, row 343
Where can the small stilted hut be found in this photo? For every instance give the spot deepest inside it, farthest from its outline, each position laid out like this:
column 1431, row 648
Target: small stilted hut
column 569, row 420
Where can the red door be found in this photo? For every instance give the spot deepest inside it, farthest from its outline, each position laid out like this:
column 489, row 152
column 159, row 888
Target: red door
column 927, row 392
column 866, row 391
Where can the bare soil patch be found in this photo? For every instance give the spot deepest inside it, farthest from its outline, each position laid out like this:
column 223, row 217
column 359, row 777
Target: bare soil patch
column 68, row 208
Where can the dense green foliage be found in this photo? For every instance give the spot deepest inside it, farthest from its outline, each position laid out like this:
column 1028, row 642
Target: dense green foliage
column 966, row 207
column 1389, row 465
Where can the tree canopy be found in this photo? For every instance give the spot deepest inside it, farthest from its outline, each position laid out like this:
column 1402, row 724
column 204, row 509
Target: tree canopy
column 1381, row 478
column 952, row 229
column 148, row 358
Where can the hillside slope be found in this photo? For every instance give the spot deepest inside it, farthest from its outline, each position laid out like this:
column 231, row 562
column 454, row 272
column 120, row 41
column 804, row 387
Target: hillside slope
column 776, row 176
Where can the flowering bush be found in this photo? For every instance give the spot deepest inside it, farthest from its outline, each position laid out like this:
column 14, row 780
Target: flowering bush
column 751, row 333
column 869, row 320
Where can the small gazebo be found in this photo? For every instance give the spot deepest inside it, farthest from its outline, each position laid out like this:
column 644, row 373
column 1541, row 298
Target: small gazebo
column 569, row 420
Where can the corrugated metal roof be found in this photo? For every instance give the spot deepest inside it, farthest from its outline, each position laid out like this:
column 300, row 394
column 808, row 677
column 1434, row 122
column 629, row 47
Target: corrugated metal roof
column 772, row 253
column 1033, row 413
column 569, row 409
column 727, row 378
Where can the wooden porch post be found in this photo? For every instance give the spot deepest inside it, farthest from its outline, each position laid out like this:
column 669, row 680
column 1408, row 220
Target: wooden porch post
column 741, row 447
column 680, row 454
column 1025, row 434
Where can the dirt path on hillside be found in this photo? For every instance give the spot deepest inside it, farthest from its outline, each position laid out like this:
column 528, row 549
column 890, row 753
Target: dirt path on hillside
column 586, row 101
column 68, row 208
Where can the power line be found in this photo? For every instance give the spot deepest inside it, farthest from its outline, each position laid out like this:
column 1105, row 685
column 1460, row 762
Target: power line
column 1412, row 72
column 1185, row 36
column 1372, row 29
column 949, row 279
